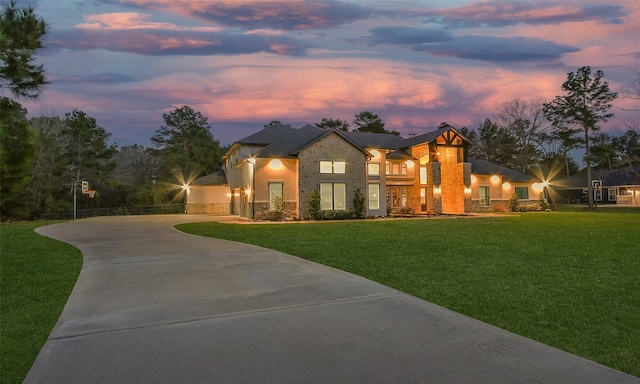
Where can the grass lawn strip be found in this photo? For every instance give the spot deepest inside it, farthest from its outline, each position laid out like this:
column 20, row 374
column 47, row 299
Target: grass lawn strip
column 37, row 275
column 566, row 279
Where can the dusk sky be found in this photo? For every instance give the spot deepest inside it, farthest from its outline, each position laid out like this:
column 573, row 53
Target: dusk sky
column 244, row 63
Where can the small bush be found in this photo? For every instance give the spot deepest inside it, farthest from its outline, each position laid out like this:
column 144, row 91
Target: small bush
column 500, row 207
column 542, row 202
column 313, row 208
column 358, row 204
column 514, row 206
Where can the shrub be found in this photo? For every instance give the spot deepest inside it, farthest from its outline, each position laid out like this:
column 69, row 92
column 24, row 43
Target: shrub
column 513, row 203
column 499, row 207
column 313, row 208
column 358, row 204
column 542, row 202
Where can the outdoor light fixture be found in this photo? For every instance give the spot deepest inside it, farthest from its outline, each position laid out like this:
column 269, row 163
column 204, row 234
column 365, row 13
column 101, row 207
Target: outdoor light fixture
column 495, row 179
column 437, row 190
column 276, row 164
column 467, row 191
column 473, row 179
column 185, row 187
column 228, row 195
column 506, row 185
column 538, row 186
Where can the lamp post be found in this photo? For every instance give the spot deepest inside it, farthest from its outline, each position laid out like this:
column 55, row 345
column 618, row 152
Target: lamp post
column 186, row 188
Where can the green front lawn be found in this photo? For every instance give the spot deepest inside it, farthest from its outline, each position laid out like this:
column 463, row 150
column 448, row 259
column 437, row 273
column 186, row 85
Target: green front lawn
column 566, row 279
column 37, row 275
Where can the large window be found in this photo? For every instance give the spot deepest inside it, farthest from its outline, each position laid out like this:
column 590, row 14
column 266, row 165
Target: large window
column 484, row 196
column 275, row 197
column 398, row 197
column 522, row 193
column 396, row 169
column 332, row 167
column 333, row 196
column 423, row 175
column 374, row 196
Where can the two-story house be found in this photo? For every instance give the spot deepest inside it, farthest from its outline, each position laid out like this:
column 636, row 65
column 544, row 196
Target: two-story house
column 276, row 169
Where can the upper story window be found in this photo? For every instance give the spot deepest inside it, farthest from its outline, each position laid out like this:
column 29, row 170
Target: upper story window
column 332, row 167
column 373, row 169
column 397, row 169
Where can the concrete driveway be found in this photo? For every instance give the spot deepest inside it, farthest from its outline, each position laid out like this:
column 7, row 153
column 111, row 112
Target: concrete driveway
column 154, row 305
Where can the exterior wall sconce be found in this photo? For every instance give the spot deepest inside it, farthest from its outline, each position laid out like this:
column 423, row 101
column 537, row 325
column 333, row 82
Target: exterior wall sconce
column 437, row 191
column 275, row 164
column 228, row 195
column 185, row 187
column 506, row 185
column 467, row 192
column 473, row 179
column 495, row 179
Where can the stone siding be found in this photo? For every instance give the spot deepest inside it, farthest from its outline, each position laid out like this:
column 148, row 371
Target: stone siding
column 212, row 208
column 330, row 148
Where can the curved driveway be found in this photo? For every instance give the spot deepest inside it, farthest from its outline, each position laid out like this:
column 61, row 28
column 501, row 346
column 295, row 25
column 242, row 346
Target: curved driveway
column 154, row 305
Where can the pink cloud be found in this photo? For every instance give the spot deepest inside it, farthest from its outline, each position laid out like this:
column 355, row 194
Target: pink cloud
column 134, row 20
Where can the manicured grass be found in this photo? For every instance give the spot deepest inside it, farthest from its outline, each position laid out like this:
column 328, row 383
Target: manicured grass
column 567, row 279
column 37, row 275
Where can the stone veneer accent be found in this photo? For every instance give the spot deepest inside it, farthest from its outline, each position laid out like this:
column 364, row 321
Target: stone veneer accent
column 214, row 208
column 330, row 148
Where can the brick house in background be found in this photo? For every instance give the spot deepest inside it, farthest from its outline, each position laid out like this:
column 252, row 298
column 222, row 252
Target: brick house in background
column 276, row 168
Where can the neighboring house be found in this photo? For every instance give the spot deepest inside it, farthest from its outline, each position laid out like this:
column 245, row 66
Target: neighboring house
column 493, row 184
column 611, row 186
column 275, row 170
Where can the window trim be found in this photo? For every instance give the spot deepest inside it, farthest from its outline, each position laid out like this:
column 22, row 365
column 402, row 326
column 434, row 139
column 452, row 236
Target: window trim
column 371, row 200
column 271, row 205
column 517, row 188
column 343, row 196
column 481, row 196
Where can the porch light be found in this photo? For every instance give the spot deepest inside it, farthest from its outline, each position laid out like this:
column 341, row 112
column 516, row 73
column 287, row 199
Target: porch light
column 506, row 185
column 467, row 191
column 537, row 186
column 437, row 191
column 473, row 178
column 276, row 164
column 228, row 195
column 409, row 163
column 495, row 179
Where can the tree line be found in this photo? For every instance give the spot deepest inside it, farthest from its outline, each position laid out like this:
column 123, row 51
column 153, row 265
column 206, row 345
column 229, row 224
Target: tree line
column 44, row 160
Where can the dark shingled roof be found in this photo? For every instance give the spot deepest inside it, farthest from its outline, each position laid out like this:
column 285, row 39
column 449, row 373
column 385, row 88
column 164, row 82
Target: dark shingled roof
column 268, row 135
column 289, row 145
column 482, row 167
column 609, row 177
column 376, row 140
column 215, row 178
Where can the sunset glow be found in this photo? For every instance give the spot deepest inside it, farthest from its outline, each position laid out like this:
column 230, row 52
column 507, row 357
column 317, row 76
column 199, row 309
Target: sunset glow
column 245, row 63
